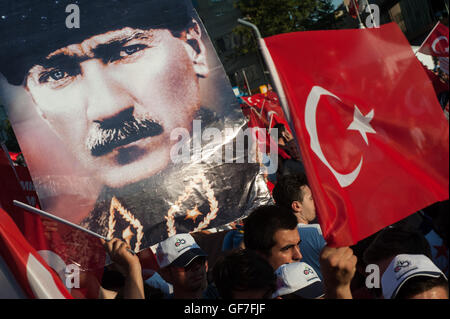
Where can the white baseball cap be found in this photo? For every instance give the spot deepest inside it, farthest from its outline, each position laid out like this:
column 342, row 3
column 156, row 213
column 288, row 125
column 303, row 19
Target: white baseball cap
column 298, row 278
column 404, row 267
column 178, row 250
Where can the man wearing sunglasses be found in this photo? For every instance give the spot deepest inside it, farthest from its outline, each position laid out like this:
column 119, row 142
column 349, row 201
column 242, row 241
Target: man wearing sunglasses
column 184, row 265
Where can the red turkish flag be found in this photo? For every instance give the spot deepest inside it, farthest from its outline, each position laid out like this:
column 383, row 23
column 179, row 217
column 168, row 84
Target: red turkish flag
column 373, row 137
column 269, row 107
column 438, row 85
column 274, row 114
column 29, row 269
column 256, row 120
column 56, row 243
column 256, row 100
column 436, row 43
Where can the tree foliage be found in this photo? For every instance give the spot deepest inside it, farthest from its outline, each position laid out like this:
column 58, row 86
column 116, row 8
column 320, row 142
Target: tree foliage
column 7, row 136
column 281, row 16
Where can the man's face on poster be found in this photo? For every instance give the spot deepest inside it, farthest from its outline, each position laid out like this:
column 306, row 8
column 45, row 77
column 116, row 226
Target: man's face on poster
column 115, row 98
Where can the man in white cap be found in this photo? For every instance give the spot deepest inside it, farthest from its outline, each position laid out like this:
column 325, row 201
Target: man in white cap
column 413, row 277
column 298, row 281
column 184, row 265
column 387, row 251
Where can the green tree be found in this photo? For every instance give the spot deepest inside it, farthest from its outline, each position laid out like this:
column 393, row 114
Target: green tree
column 11, row 141
column 7, row 135
column 281, row 16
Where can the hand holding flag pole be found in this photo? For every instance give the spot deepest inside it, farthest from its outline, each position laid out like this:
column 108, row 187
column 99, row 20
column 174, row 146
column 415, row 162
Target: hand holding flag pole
column 61, row 220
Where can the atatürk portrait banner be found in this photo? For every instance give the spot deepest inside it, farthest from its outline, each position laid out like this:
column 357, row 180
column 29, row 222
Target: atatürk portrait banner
column 125, row 116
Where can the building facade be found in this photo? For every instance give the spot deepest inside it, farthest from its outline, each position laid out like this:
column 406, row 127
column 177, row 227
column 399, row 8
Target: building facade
column 415, row 18
column 220, row 18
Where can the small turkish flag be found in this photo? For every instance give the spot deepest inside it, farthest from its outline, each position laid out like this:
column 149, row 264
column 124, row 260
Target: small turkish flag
column 373, row 137
column 256, row 100
column 269, row 107
column 436, row 44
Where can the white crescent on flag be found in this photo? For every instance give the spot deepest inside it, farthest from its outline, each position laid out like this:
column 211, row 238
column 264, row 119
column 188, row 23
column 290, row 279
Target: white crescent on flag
column 360, row 123
column 41, row 281
column 436, row 41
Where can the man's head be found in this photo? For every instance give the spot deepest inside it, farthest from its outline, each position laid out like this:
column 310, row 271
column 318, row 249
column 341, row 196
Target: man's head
column 272, row 232
column 413, row 277
column 243, row 274
column 393, row 241
column 281, row 128
column 293, row 192
column 114, row 89
column 183, row 264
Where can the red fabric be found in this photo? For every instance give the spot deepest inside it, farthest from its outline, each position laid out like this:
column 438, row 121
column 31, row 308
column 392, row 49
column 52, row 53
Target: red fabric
column 352, row 10
column 265, row 111
column 21, row 190
column 256, row 120
column 438, row 85
column 71, row 245
column 29, row 269
column 268, row 109
column 256, row 100
column 436, row 44
column 405, row 160
column 14, row 155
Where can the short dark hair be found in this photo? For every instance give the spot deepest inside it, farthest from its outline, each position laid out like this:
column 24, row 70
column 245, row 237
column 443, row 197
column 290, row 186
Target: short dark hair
column 30, row 30
column 261, row 225
column 288, row 189
column 242, row 270
column 419, row 284
column 280, row 127
column 393, row 241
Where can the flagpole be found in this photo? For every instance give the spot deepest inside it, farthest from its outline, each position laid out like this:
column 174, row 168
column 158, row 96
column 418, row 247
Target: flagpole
column 361, row 25
column 274, row 75
column 270, row 123
column 272, row 70
column 371, row 15
column 246, row 82
column 5, row 149
column 262, row 107
column 61, row 220
column 56, row 218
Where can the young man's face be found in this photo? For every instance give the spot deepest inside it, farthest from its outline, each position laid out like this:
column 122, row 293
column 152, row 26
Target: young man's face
column 286, row 249
column 116, row 97
column 192, row 278
column 308, row 210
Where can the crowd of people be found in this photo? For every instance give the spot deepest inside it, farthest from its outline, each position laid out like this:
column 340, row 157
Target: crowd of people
column 279, row 252
column 127, row 82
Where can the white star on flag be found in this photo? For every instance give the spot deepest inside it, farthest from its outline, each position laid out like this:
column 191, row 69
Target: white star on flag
column 361, row 123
